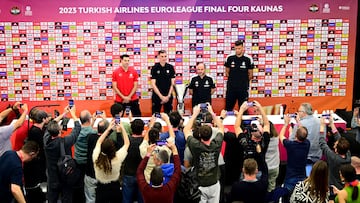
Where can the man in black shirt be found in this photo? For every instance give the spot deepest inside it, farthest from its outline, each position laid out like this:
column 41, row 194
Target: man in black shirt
column 201, row 86
column 250, row 189
column 89, row 179
column 131, row 163
column 162, row 82
column 239, row 70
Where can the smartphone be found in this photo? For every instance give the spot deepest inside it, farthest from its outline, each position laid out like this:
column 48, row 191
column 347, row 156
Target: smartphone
column 292, row 115
column 203, row 106
column 71, row 103
column 20, row 105
column 56, row 113
column 98, row 112
column 127, row 110
column 331, row 190
column 250, row 103
column 157, row 115
column 161, row 142
column 326, row 116
column 117, row 119
column 230, row 113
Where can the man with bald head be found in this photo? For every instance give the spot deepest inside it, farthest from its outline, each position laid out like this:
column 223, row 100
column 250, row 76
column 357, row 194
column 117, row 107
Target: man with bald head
column 306, row 118
column 201, row 86
column 81, row 149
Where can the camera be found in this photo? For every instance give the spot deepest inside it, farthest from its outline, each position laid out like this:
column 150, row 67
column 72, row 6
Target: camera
column 249, row 145
column 230, row 113
column 326, row 116
column 203, row 106
column 161, row 142
column 127, row 110
column 250, row 103
column 157, row 115
column 71, row 103
column 254, row 128
column 117, row 119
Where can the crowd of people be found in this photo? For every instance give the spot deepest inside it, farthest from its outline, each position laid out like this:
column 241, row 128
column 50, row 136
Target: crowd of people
column 197, row 161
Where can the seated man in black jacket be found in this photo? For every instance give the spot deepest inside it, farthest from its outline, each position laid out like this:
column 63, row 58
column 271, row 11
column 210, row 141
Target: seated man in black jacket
column 250, row 189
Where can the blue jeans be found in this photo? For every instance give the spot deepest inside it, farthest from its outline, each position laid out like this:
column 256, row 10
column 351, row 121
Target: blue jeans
column 291, row 182
column 129, row 189
column 89, row 189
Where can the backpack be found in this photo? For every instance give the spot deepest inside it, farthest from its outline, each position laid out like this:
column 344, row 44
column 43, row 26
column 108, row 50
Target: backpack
column 69, row 173
column 189, row 187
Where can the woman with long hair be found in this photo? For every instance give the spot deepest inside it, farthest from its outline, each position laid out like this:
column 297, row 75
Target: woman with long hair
column 350, row 193
column 315, row 188
column 107, row 164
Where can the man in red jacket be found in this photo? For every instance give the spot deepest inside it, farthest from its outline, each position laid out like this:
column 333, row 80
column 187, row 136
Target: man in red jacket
column 158, row 191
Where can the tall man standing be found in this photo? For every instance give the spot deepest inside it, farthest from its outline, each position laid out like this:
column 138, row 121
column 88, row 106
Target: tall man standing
column 125, row 83
column 201, row 86
column 162, row 82
column 239, row 70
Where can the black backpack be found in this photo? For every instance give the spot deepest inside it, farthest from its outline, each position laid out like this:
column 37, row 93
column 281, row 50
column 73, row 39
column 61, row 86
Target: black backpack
column 188, row 188
column 69, row 173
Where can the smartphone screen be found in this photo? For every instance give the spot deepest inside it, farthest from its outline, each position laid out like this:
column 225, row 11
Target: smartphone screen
column 161, row 142
column 117, row 119
column 71, row 103
column 203, row 106
column 331, row 190
column 157, row 115
column 250, row 103
column 230, row 113
column 56, row 113
column 127, row 110
column 98, row 112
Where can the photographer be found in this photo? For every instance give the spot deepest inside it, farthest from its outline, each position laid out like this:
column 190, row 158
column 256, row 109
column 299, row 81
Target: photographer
column 205, row 155
column 254, row 139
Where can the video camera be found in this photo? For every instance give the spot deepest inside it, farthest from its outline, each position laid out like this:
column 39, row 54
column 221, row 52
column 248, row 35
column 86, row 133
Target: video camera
column 250, row 147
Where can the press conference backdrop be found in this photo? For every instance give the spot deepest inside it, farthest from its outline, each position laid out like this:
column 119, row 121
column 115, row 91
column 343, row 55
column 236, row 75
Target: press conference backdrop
column 59, row 50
